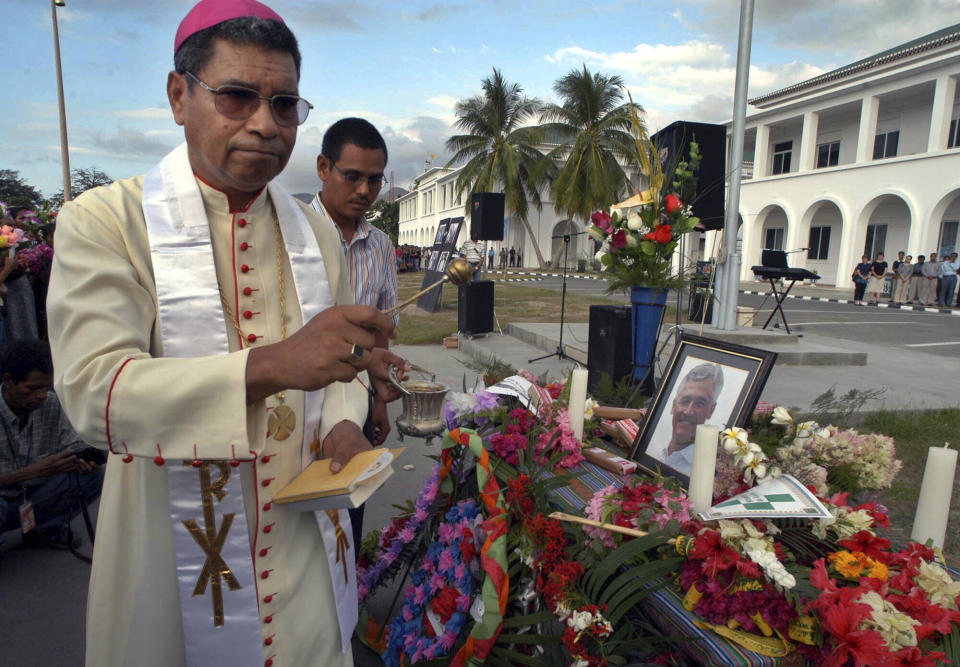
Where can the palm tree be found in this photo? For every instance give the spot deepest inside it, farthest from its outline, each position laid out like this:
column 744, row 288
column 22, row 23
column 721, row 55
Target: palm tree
column 592, row 126
column 499, row 148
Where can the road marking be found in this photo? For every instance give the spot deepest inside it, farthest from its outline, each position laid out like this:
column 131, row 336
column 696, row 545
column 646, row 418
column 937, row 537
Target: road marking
column 952, row 342
column 916, row 324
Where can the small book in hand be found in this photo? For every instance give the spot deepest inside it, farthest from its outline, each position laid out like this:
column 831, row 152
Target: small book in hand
column 316, row 488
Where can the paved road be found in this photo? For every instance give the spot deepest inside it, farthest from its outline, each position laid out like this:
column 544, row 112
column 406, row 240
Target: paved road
column 931, row 333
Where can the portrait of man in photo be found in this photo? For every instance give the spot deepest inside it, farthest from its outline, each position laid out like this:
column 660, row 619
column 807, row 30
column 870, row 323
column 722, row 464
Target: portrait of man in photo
column 693, row 403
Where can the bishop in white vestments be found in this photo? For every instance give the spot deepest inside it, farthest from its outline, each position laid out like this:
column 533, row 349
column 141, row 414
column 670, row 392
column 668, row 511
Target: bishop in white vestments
column 203, row 332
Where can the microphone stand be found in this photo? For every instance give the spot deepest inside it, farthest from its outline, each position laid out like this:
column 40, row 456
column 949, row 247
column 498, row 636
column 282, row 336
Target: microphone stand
column 560, row 354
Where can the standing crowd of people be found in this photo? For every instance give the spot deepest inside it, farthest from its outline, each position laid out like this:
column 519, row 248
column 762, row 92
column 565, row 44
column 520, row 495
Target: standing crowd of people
column 931, row 280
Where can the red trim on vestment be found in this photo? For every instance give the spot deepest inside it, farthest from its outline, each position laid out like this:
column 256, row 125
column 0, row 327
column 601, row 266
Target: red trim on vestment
column 230, row 205
column 110, row 398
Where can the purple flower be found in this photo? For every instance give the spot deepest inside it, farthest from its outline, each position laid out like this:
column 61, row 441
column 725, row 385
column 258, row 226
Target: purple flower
column 419, row 595
column 486, row 401
column 447, row 640
column 436, row 583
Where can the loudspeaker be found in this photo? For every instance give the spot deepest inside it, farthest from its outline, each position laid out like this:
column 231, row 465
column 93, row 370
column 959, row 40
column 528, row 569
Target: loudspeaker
column 610, row 346
column 486, row 217
column 673, row 145
column 475, row 307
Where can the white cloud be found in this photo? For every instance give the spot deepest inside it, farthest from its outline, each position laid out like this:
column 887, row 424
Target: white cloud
column 675, row 81
column 434, row 49
column 149, row 113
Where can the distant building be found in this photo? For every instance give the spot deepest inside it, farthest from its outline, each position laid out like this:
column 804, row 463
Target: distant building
column 434, row 199
column 856, row 161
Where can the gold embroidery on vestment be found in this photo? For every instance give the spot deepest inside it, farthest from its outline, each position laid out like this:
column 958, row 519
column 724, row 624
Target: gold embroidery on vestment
column 211, row 539
column 343, row 543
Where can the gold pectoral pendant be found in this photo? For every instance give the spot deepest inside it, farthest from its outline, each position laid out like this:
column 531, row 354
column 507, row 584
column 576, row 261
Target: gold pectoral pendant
column 282, row 420
column 211, row 538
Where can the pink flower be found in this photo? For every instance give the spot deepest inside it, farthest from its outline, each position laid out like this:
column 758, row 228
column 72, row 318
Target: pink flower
column 436, row 583
column 601, row 219
column 446, row 561
column 419, row 595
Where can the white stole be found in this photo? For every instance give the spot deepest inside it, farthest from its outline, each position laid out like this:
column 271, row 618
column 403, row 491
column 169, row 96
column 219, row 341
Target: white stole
column 191, row 323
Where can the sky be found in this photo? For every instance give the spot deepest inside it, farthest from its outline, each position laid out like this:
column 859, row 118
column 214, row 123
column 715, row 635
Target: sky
column 404, row 66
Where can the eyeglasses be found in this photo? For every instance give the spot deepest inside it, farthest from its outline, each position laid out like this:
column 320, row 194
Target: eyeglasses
column 239, row 103
column 355, row 177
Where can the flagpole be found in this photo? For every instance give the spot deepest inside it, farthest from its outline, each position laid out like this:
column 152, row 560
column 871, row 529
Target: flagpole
column 731, row 268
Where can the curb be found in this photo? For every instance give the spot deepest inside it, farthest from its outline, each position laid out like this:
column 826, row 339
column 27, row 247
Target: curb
column 919, row 309
column 552, row 275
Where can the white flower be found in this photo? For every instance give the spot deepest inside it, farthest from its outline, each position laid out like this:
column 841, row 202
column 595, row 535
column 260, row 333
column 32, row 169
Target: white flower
column 939, row 585
column 631, row 241
column 596, row 233
column 771, row 566
column 781, row 416
column 734, row 439
column 461, row 404
column 634, row 221
column 588, row 408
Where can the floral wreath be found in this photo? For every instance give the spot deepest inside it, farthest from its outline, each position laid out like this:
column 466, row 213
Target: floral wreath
column 444, row 573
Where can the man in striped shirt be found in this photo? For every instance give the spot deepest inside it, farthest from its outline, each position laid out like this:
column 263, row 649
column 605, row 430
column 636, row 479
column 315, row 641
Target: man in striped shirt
column 351, row 165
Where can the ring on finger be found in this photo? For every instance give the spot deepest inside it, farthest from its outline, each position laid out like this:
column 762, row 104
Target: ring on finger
column 356, row 354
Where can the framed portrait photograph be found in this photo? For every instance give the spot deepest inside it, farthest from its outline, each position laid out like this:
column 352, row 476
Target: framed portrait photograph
column 444, row 257
column 706, row 382
column 453, row 231
column 441, row 232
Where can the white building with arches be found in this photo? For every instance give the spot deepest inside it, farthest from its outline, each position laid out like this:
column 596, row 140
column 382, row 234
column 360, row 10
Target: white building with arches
column 860, row 160
column 435, row 199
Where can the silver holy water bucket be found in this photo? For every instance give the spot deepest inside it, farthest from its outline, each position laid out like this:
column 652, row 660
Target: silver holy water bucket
column 422, row 405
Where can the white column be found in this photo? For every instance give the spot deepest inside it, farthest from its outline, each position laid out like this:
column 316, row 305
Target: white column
column 915, row 238
column 868, row 129
column 761, row 153
column 808, row 141
column 846, row 258
column 942, row 110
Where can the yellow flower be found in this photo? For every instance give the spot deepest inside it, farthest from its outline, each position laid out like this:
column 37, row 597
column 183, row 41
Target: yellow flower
column 846, row 564
column 879, row 571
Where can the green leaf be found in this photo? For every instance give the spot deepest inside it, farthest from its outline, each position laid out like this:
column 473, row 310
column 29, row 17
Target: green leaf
column 528, row 619
column 648, row 247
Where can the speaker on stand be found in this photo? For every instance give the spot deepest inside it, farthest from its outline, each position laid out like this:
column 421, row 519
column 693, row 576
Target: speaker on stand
column 486, row 216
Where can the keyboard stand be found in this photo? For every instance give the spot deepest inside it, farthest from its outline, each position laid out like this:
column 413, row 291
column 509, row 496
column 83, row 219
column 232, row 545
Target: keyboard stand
column 779, row 296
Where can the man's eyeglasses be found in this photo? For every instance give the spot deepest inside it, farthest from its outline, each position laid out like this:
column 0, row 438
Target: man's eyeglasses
column 239, row 103
column 355, row 177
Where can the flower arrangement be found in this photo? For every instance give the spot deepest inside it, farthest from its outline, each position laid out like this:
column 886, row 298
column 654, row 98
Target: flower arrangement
column 36, row 259
column 637, row 246
column 10, row 237
column 661, row 503
column 823, row 458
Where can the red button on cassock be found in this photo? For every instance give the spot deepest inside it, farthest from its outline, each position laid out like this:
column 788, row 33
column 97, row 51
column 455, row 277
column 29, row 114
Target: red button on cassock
column 268, row 599
column 263, row 553
column 265, row 459
column 265, row 574
column 247, row 314
column 252, row 338
column 247, row 291
column 266, row 507
column 265, row 482
column 244, row 268
column 241, row 223
column 267, row 529
column 244, row 245
column 268, row 641
column 268, row 619
column 268, row 663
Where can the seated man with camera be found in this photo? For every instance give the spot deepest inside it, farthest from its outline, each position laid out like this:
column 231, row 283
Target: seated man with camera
column 46, row 470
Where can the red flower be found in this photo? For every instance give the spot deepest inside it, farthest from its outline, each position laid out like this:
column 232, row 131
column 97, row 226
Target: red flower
column 875, row 547
column 601, row 219
column 715, row 554
column 673, row 204
column 445, row 603
column 467, row 548
column 863, row 647
column 911, row 656
column 618, row 240
column 661, row 234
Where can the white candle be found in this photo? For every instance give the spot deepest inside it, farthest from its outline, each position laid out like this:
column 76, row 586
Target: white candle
column 578, row 401
column 704, row 466
column 933, row 508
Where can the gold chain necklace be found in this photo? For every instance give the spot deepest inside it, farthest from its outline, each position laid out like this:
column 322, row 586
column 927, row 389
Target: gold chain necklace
column 282, row 420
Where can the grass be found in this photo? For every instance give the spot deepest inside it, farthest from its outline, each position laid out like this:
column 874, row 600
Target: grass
column 914, row 431
column 513, row 302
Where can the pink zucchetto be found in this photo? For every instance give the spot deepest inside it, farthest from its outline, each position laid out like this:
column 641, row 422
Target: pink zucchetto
column 208, row 13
